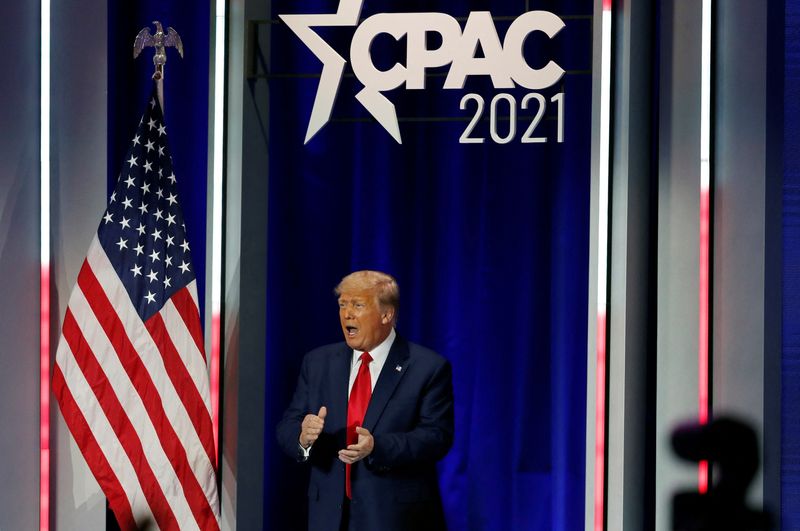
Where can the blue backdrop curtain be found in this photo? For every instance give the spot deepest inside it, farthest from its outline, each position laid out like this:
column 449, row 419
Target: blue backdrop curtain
column 489, row 244
column 790, row 367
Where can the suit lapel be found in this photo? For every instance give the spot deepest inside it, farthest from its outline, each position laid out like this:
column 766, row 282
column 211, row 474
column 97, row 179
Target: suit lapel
column 391, row 374
column 339, row 381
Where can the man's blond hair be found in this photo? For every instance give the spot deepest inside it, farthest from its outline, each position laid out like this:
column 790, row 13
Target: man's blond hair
column 386, row 289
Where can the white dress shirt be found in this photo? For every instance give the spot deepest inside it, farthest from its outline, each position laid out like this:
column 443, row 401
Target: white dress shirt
column 378, row 354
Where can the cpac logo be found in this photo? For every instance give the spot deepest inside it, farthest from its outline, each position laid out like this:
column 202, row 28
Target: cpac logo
column 504, row 62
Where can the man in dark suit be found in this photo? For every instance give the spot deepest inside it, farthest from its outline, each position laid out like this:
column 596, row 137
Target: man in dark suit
column 371, row 416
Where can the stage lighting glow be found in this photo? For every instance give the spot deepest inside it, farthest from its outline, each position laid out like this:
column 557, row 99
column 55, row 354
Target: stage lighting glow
column 705, row 230
column 44, row 268
column 602, row 268
column 216, row 211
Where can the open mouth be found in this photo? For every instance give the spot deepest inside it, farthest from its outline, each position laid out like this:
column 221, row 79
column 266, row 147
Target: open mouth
column 351, row 331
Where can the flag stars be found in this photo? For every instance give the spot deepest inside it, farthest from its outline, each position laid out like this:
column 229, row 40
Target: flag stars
column 113, row 196
column 145, row 188
column 160, row 151
column 122, row 243
column 151, row 297
column 136, row 270
column 172, row 199
column 153, row 276
column 156, row 235
column 152, row 103
column 141, row 229
column 125, row 223
column 136, row 141
column 132, row 162
column 167, row 281
column 171, row 178
column 160, row 193
column 184, row 267
column 159, row 214
column 148, row 166
column 152, row 124
column 168, row 261
column 154, row 256
column 170, row 241
column 129, row 181
column 171, row 219
column 162, row 130
column 139, row 249
column 108, row 218
column 127, row 203
column 185, row 246
column 160, row 172
column 150, row 146
column 143, row 208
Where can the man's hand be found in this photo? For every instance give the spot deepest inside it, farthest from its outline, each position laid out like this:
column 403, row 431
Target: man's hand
column 360, row 450
column 311, row 427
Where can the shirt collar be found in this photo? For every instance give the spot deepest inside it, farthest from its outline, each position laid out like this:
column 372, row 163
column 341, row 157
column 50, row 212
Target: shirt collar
column 379, row 353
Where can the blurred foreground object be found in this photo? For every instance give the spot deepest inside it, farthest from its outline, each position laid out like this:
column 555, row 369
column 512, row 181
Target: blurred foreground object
column 731, row 448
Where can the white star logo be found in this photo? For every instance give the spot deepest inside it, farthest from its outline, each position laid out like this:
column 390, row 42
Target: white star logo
column 347, row 14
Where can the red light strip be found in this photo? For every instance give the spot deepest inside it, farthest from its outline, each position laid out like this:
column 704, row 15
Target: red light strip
column 600, row 425
column 44, row 397
column 702, row 347
column 214, row 377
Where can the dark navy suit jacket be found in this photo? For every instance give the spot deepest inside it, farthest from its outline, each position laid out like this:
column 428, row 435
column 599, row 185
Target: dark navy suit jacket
column 410, row 415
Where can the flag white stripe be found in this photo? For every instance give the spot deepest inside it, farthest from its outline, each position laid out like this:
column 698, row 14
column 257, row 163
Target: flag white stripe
column 131, row 402
column 103, row 433
column 187, row 350
column 151, row 358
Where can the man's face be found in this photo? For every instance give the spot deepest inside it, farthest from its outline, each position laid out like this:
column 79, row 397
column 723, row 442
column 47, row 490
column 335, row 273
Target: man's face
column 364, row 323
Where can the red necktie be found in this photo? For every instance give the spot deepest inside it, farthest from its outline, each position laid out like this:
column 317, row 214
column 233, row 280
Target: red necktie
column 357, row 408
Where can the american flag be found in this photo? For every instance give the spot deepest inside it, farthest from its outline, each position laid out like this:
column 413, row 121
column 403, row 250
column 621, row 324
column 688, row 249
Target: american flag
column 130, row 375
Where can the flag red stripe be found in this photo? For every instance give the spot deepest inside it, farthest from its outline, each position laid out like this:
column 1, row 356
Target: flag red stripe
column 183, row 383
column 188, row 311
column 119, row 421
column 141, row 380
column 91, row 451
